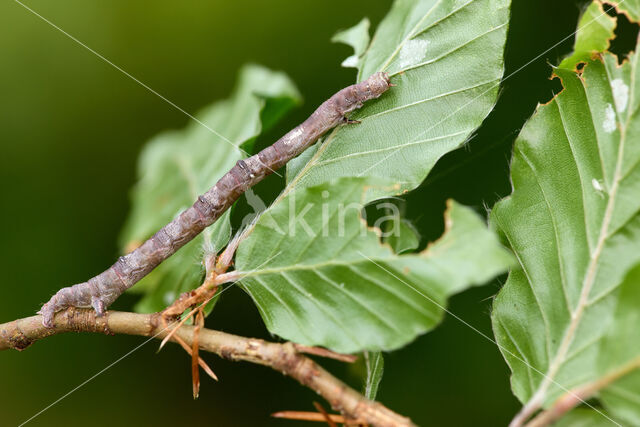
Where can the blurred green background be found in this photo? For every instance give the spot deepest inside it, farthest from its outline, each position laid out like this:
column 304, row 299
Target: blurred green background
column 71, row 127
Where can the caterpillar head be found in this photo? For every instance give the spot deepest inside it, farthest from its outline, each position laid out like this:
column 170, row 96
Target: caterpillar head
column 379, row 83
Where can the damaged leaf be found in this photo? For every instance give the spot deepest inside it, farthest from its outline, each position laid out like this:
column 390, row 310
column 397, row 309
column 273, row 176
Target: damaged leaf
column 320, row 277
column 573, row 220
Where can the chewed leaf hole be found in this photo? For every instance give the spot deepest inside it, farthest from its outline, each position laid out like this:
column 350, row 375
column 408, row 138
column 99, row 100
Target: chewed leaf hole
column 626, row 34
column 555, row 87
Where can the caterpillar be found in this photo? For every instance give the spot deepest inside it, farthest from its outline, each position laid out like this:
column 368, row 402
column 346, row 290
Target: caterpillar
column 102, row 290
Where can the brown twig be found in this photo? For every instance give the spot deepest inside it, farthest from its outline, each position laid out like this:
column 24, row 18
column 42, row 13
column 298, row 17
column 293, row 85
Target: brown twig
column 21, row 333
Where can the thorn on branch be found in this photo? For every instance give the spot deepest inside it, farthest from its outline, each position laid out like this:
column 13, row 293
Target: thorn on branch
column 325, row 414
column 195, row 358
column 307, row 416
column 321, row 416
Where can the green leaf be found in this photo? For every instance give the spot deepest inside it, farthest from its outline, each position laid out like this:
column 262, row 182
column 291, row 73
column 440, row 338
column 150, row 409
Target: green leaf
column 374, row 362
column 446, row 58
column 619, row 357
column 178, row 166
column 402, row 236
column 356, row 37
column 595, row 31
column 295, row 165
column 617, row 383
column 320, row 276
column 573, row 221
column 622, row 399
column 581, row 418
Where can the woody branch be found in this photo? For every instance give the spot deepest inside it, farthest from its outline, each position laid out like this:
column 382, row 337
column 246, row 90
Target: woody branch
column 286, row 357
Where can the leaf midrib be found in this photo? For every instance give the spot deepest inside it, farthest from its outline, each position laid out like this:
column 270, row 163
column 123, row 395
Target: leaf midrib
column 583, row 302
column 317, row 268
